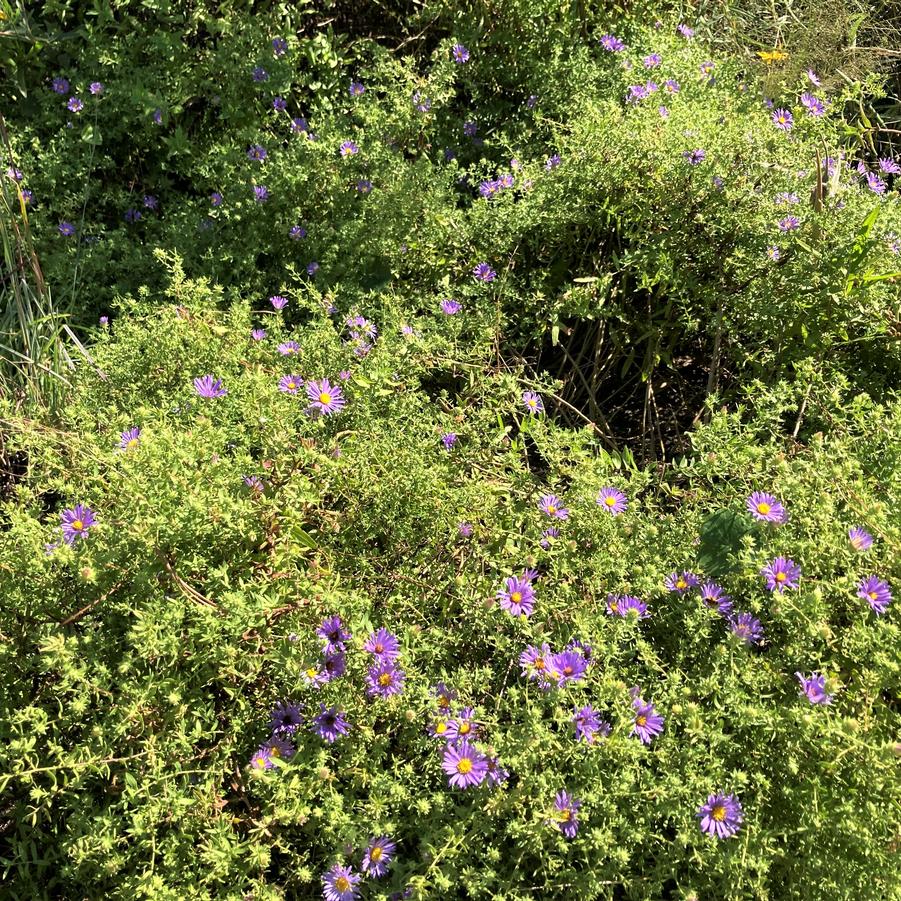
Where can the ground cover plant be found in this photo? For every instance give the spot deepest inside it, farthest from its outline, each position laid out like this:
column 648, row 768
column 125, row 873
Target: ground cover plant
column 462, row 463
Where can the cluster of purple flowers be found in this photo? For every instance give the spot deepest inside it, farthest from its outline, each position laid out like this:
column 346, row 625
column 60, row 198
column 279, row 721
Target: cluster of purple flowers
column 341, row 883
column 384, row 677
column 494, row 186
column 363, row 334
column 285, row 720
column 542, row 665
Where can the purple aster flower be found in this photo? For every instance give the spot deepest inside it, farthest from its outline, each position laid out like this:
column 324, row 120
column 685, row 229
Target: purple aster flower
column 297, row 232
column 875, row 592
column 262, row 759
column 348, row 148
column 279, row 46
column 208, row 386
column 470, row 129
column 496, row 773
column 517, row 596
column 889, row 166
column 715, row 598
column 464, row 529
column 625, row 604
column 813, row 77
column 288, row 347
column 278, row 302
column 534, row 663
column 781, row 573
column 681, row 582
column 258, row 334
column 612, row 500
column 463, row 726
column 76, row 523
column 260, row 193
column 552, row 162
column 330, row 723
column 789, row 224
column 215, row 199
column 257, row 152
column 378, row 855
column 814, row 688
column 648, row 723
column 104, row 320
column 333, row 634
column 448, row 440
column 612, row 44
column 671, row 86
column 356, row 89
column 290, row 384
column 813, row 105
column 420, row 103
column 132, row 215
column 300, row 126
column 567, row 666
column 782, row 118
column 484, row 273
column 875, row 183
column 685, row 31
column 465, row 765
column 60, row 85
column 707, row 67
column 552, row 506
column 158, row 116
column 14, row 173
column 460, row 54
column 663, row 111
column 130, row 438
column 786, row 197
column 566, row 807
column 694, row 157
column 861, row 539
column 773, row 252
column 333, row 666
column 325, row 398
column 766, row 507
column 151, row 202
column 254, row 483
column 383, row 646
column 340, row 884
column 652, row 61
column 27, row 196
column 589, row 726
column 285, row 718
column 344, row 375
column 532, row 101
column 364, row 186
column 66, row 229
column 279, row 104
column 534, row 403
column 384, row 679
column 312, row 268
column 259, row 74
column 747, row 628
column 721, row 816
column 443, row 695
column 450, row 307
column 75, row 105
column 438, row 729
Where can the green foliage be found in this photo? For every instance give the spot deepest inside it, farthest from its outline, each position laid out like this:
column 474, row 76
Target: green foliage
column 141, row 663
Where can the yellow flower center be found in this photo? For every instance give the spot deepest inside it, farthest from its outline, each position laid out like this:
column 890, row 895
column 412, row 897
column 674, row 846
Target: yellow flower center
column 640, row 720
column 551, row 509
column 342, row 883
column 444, row 701
column 516, row 597
column 77, row 525
column 872, row 595
column 275, row 752
column 385, row 679
column 681, row 583
column 610, row 501
column 132, row 443
column 378, row 649
column 718, row 813
column 856, row 543
column 464, row 766
column 567, row 670
column 763, row 507
column 539, row 663
column 325, row 398
column 375, row 854
column 531, row 403
column 565, row 816
column 292, row 385
column 440, row 728
column 464, row 729
column 311, row 672
column 781, row 577
column 614, row 607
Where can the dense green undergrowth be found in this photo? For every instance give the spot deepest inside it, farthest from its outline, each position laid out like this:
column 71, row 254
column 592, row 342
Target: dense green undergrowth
column 572, row 330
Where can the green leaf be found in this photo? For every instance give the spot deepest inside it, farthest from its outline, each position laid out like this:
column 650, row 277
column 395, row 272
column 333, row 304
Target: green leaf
column 720, row 541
